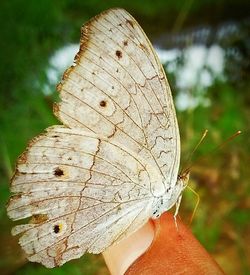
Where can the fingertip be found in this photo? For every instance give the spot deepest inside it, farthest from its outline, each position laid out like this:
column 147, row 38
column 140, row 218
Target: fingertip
column 160, row 247
column 119, row 257
column 174, row 250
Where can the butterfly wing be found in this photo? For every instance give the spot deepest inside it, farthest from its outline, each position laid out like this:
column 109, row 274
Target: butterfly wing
column 84, row 193
column 91, row 183
column 118, row 89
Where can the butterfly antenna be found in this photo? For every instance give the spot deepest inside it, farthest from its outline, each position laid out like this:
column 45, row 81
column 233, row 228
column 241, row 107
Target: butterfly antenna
column 196, row 205
column 219, row 146
column 227, row 140
column 187, row 170
column 183, row 171
column 212, row 151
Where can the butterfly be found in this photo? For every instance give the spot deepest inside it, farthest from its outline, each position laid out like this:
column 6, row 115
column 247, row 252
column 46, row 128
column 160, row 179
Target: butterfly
column 113, row 164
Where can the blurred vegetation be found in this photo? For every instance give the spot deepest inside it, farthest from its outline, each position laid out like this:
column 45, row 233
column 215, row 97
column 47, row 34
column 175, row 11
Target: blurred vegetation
column 32, row 31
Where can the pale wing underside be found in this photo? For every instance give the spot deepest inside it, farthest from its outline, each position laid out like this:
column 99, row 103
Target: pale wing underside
column 93, row 191
column 90, row 185
column 118, row 89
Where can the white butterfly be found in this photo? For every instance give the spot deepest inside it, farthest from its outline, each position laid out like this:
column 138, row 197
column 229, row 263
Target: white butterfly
column 114, row 164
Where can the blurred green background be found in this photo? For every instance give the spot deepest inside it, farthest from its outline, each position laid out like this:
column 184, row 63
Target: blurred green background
column 32, row 31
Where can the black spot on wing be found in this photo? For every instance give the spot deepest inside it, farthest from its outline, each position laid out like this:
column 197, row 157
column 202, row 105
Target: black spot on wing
column 118, row 54
column 103, row 103
column 58, row 172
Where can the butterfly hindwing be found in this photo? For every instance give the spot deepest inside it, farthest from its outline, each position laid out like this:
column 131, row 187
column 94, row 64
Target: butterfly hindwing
column 83, row 199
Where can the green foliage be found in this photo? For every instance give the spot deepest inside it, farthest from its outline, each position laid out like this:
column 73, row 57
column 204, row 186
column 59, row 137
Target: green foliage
column 240, row 217
column 31, row 31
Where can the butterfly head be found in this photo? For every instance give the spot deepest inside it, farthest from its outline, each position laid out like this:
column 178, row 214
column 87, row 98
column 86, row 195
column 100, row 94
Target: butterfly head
column 170, row 197
column 183, row 179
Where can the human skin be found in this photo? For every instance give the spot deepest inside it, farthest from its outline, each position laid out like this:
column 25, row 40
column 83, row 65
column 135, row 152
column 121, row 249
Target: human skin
column 161, row 247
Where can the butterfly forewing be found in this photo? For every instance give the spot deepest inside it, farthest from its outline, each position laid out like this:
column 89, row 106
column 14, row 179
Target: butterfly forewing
column 92, row 182
column 118, row 89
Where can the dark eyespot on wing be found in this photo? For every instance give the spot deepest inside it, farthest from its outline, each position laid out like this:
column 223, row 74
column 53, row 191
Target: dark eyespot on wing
column 58, row 172
column 103, row 103
column 56, row 228
column 118, row 54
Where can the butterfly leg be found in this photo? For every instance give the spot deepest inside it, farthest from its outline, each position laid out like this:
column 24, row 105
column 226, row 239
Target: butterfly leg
column 177, row 206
